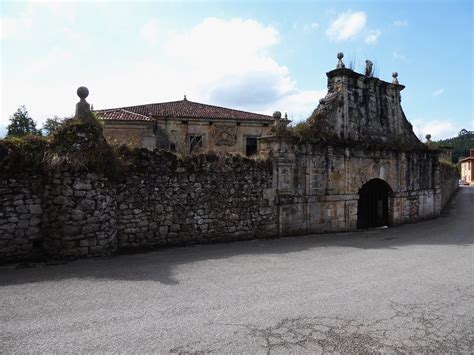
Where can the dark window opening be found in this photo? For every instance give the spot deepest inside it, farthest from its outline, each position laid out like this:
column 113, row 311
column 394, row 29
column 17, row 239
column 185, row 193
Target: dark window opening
column 184, row 122
column 172, row 147
column 238, row 123
column 265, row 125
column 37, row 244
column 251, row 146
column 211, row 123
column 195, row 144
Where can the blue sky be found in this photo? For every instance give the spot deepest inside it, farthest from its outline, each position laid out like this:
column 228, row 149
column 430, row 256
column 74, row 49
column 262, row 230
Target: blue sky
column 256, row 56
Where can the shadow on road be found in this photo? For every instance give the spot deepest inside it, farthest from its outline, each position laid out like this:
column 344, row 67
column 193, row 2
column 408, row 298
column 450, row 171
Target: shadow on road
column 454, row 227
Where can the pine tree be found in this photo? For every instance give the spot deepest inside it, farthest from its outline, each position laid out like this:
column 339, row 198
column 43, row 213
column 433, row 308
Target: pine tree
column 21, row 124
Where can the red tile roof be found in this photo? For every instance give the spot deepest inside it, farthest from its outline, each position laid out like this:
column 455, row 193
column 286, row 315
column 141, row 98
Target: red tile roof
column 119, row 114
column 178, row 109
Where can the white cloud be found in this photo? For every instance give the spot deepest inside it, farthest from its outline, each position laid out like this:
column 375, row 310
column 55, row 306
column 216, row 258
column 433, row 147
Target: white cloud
column 438, row 129
column 438, row 92
column 150, row 31
column 299, row 104
column 52, row 60
column 346, row 25
column 398, row 56
column 221, row 62
column 373, row 36
column 400, row 23
column 24, row 21
column 11, row 26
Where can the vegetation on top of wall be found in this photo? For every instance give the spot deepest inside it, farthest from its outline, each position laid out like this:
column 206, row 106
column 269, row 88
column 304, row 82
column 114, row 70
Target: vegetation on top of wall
column 79, row 145
column 449, row 165
column 142, row 160
column 75, row 145
column 308, row 133
column 25, row 153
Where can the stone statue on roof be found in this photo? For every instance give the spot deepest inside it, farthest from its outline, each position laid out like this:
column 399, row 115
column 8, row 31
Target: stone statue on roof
column 368, row 68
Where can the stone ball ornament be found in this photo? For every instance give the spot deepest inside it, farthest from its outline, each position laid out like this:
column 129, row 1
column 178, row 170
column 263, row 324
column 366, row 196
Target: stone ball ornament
column 340, row 64
column 277, row 115
column 82, row 92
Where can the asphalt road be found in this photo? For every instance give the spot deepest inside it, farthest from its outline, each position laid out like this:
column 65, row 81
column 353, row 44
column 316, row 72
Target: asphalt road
column 408, row 288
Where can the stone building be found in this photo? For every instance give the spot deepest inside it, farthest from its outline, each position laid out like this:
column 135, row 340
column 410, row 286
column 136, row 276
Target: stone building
column 186, row 127
column 467, row 168
column 360, row 165
column 356, row 165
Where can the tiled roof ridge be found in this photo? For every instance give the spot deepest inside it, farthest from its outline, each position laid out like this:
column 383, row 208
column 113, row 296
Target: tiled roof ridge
column 149, row 108
column 226, row 108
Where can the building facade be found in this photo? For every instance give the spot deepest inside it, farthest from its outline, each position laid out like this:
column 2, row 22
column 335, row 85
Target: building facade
column 186, row 127
column 467, row 168
column 361, row 166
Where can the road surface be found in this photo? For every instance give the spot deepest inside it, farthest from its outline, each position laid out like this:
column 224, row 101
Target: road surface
column 407, row 288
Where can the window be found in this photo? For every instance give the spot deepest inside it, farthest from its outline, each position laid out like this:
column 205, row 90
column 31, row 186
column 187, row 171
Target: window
column 251, row 146
column 195, row 144
column 172, row 147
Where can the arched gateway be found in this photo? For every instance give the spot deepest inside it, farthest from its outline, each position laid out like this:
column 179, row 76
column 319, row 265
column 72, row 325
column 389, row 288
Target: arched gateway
column 373, row 206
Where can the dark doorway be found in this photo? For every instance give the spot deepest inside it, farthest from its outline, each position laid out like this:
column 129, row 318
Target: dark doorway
column 372, row 208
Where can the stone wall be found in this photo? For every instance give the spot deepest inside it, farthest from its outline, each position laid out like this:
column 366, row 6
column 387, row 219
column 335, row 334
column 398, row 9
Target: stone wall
column 449, row 178
column 206, row 198
column 79, row 215
column 20, row 215
column 160, row 200
column 318, row 186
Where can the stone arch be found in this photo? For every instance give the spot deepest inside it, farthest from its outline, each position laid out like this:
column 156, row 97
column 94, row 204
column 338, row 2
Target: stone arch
column 373, row 206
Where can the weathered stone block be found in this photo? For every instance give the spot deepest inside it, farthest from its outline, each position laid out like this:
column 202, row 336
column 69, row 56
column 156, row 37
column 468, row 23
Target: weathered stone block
column 36, row 209
column 90, row 228
column 81, row 185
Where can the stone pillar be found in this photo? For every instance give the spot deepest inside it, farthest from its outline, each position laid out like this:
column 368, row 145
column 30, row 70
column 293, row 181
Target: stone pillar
column 79, row 215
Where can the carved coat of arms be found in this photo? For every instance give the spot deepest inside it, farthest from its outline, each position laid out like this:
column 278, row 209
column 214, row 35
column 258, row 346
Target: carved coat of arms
column 224, row 135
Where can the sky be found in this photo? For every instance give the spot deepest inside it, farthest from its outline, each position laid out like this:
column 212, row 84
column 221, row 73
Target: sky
column 258, row 56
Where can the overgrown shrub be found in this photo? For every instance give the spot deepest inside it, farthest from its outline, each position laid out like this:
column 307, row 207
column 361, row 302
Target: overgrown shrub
column 24, row 153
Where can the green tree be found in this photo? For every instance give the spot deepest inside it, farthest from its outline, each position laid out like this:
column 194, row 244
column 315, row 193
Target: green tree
column 21, row 124
column 460, row 144
column 51, row 124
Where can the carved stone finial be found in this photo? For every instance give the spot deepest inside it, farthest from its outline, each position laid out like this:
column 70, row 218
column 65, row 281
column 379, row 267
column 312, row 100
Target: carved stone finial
column 83, row 109
column 286, row 115
column 277, row 115
column 340, row 64
column 185, row 99
column 368, row 68
column 82, row 92
column 395, row 76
